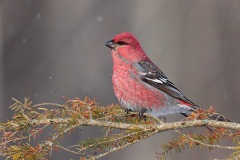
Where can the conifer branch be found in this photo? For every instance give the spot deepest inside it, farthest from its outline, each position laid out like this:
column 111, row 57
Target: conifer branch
column 121, row 130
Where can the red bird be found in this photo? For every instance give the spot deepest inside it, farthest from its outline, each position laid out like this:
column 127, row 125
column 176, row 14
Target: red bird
column 140, row 85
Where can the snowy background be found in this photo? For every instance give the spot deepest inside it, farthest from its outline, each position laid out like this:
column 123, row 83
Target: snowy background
column 55, row 48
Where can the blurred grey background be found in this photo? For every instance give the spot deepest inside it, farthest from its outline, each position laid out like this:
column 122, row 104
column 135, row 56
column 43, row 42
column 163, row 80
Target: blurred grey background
column 50, row 49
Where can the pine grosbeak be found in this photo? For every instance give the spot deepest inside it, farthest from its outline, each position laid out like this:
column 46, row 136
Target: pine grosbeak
column 140, row 85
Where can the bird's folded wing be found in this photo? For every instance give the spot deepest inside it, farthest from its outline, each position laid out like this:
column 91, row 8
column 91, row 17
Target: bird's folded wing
column 152, row 75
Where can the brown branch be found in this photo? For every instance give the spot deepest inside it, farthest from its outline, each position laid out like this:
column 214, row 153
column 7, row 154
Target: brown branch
column 208, row 145
column 86, row 113
column 122, row 147
column 159, row 127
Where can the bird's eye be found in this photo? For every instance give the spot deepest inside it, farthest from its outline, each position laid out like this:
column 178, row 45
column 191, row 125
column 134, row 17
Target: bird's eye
column 121, row 43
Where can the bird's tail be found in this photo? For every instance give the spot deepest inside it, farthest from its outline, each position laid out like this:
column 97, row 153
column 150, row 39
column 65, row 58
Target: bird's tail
column 200, row 114
column 196, row 112
column 218, row 117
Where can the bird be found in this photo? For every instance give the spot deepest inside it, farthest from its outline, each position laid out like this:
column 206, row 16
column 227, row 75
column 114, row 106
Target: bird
column 141, row 86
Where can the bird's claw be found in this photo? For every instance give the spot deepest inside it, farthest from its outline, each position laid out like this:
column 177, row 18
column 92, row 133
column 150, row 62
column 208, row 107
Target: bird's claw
column 141, row 112
column 128, row 110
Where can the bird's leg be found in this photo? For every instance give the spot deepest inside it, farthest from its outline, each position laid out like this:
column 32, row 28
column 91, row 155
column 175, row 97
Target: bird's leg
column 141, row 112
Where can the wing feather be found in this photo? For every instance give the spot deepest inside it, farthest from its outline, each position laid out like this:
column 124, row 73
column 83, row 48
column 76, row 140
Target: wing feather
column 152, row 75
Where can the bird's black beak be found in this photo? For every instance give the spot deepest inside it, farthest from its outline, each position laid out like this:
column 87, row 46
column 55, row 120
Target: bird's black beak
column 110, row 44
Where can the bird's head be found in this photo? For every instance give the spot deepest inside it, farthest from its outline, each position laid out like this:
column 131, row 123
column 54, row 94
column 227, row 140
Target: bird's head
column 127, row 46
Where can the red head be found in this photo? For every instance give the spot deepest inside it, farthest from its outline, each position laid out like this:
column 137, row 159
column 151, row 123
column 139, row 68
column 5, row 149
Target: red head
column 126, row 45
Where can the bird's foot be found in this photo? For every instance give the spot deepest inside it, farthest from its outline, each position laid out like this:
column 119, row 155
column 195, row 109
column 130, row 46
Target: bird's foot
column 141, row 112
column 128, row 110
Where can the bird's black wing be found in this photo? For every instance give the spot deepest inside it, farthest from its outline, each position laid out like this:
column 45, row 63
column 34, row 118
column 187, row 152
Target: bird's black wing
column 152, row 75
